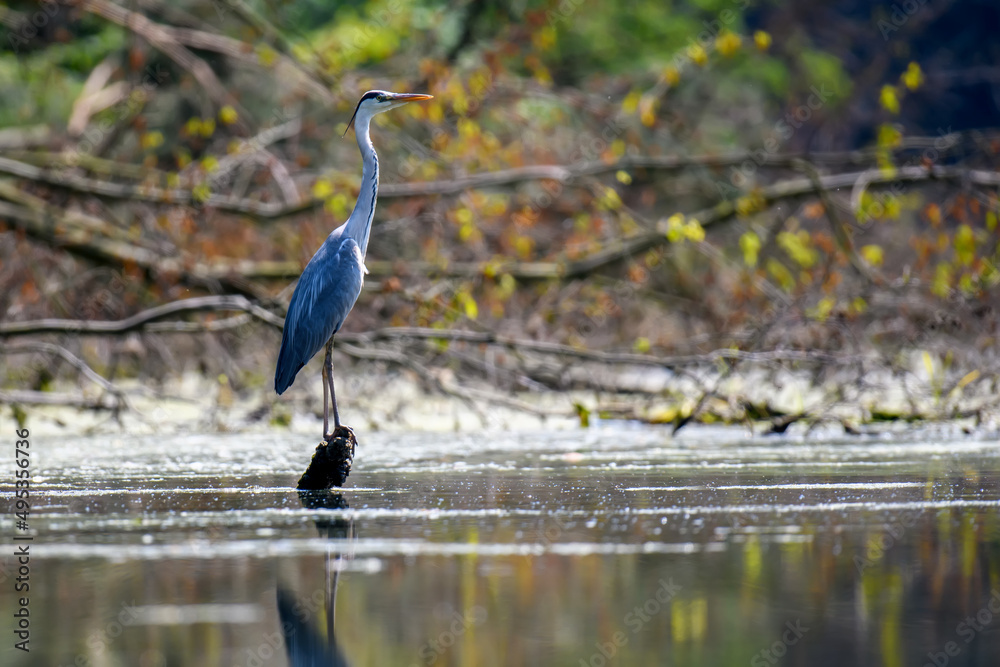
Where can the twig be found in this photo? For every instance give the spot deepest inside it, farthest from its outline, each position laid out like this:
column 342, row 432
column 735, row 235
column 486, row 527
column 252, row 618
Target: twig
column 837, row 226
column 72, row 359
column 140, row 320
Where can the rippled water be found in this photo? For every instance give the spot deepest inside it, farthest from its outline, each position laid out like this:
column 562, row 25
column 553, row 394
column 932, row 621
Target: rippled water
column 610, row 546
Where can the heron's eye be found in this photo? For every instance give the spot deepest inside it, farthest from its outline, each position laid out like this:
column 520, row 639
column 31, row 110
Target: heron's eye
column 380, row 98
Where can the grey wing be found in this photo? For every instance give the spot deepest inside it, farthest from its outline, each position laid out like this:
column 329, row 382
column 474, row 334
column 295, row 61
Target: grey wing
column 326, row 293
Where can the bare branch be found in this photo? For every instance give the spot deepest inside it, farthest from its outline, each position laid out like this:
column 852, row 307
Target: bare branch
column 506, row 177
column 58, row 229
column 66, row 355
column 140, row 320
column 163, row 40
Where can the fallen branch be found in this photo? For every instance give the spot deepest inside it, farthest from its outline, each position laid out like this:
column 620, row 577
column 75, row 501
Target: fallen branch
column 59, row 230
column 500, row 178
column 231, row 302
column 24, row 397
column 227, row 302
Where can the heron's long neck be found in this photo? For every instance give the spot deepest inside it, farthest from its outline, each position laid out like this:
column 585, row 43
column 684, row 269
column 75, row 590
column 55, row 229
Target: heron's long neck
column 359, row 225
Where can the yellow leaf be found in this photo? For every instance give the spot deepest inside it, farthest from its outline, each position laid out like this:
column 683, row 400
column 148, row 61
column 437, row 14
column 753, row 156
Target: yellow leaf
column 463, row 216
column 798, row 245
column 750, row 245
column 693, row 231
column 266, row 55
column 697, row 53
column 647, row 111
column 208, row 127
column 888, row 136
column 727, row 43
column 675, row 228
column 969, row 378
column 780, row 273
column 965, row 245
column 631, row 102
column 823, row 308
column 889, row 99
column 322, row 189
column 941, row 285
column 201, row 192
column 928, row 363
column 672, row 75
column 762, row 40
column 912, row 78
column 623, row 177
column 228, row 115
column 470, row 307
column 545, row 38
column 873, row 254
column 641, row 345
column 152, row 139
column 610, row 201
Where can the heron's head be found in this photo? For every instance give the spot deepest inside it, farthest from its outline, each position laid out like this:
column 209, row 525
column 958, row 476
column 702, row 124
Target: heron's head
column 376, row 101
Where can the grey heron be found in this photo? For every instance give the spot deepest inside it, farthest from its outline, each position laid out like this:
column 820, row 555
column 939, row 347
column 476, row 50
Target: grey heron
column 331, row 282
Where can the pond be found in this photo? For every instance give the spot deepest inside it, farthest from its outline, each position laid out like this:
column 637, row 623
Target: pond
column 614, row 545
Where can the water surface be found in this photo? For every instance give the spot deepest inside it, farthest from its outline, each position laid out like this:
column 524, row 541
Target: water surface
column 609, row 546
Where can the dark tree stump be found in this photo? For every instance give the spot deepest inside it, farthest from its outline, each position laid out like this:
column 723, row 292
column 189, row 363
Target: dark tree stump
column 331, row 463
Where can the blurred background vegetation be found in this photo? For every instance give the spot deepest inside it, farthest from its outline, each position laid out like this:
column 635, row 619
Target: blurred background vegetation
column 729, row 192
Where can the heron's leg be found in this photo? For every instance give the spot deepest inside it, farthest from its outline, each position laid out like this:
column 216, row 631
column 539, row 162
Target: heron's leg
column 328, row 365
column 326, row 398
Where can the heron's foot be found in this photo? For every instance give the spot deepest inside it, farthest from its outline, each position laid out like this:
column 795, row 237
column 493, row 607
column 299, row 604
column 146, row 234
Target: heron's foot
column 342, row 432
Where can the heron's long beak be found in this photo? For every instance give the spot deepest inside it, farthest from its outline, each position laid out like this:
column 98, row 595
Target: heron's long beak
column 410, row 97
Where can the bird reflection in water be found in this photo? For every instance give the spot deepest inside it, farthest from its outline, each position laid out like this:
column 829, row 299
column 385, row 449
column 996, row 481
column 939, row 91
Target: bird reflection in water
column 305, row 645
